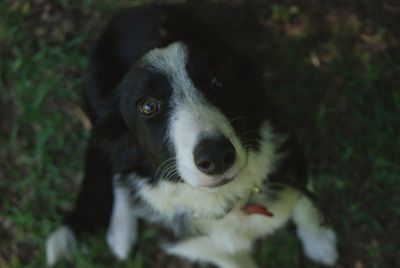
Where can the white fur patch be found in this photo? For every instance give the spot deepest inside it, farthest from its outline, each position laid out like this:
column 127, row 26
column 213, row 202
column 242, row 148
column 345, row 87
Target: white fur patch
column 204, row 249
column 59, row 245
column 227, row 242
column 122, row 231
column 237, row 231
column 171, row 61
column 319, row 242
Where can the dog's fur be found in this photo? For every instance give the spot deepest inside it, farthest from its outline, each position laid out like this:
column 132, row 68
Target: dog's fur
column 208, row 100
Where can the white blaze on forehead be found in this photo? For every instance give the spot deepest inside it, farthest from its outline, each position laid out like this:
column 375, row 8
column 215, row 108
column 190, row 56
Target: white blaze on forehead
column 171, row 61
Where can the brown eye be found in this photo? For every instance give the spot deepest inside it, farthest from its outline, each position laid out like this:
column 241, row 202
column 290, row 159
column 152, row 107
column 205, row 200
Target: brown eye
column 219, row 77
column 149, row 106
column 216, row 82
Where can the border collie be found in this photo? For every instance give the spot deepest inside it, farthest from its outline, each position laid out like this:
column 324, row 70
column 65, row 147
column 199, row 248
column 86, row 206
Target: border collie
column 185, row 137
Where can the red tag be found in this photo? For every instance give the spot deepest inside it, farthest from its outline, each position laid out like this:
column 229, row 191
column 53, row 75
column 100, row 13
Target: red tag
column 257, row 209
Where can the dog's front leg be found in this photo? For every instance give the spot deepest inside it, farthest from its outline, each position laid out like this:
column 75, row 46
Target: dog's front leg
column 204, row 249
column 122, row 230
column 319, row 241
column 92, row 208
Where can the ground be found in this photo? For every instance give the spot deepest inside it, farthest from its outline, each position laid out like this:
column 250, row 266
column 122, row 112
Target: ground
column 333, row 68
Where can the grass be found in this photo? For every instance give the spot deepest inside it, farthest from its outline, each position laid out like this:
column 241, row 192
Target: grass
column 333, row 69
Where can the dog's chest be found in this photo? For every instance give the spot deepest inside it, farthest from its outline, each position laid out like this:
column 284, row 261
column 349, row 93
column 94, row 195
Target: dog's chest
column 239, row 228
column 235, row 229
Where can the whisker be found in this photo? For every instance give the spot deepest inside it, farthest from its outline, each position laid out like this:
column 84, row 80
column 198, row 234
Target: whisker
column 166, row 162
column 174, row 176
column 249, row 143
column 237, row 118
column 170, row 175
column 167, row 170
column 248, row 132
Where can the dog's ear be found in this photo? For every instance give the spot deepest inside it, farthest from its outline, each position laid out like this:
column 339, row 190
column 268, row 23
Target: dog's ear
column 111, row 136
column 109, row 132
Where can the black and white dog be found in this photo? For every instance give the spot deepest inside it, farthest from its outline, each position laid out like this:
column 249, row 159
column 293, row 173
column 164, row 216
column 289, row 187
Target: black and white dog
column 184, row 136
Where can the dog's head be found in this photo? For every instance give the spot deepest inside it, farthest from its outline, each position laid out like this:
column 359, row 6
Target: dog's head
column 195, row 113
column 198, row 117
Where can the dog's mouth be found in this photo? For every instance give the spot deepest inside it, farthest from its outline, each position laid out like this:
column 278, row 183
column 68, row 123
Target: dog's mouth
column 220, row 182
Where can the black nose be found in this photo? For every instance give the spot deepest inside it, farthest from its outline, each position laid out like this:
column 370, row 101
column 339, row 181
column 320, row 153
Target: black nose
column 214, row 156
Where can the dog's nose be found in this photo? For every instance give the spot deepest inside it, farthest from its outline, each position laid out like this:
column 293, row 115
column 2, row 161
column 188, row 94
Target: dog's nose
column 214, row 156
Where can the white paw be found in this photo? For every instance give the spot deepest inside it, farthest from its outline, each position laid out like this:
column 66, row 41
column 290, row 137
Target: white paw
column 320, row 245
column 59, row 245
column 120, row 240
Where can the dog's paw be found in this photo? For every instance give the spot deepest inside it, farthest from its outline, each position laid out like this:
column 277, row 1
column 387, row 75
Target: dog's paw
column 119, row 246
column 59, row 245
column 121, row 240
column 320, row 245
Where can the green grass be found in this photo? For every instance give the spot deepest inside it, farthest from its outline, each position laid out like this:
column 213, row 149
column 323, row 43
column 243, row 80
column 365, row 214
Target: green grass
column 337, row 79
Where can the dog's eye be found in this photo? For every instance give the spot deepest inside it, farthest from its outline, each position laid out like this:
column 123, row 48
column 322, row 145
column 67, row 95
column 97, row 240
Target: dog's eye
column 149, row 106
column 216, row 82
column 219, row 77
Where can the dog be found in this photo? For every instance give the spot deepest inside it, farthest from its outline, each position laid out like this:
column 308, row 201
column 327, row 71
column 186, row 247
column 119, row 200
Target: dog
column 185, row 136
